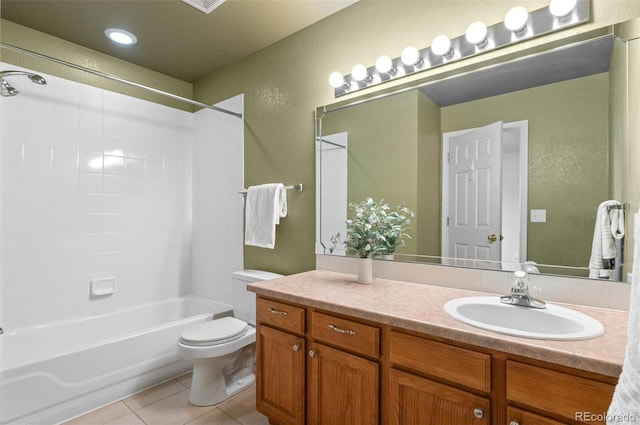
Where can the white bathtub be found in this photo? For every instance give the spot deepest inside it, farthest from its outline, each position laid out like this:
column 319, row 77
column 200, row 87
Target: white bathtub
column 51, row 373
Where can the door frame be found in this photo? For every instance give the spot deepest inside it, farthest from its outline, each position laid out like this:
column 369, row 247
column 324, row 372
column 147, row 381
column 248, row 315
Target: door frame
column 523, row 131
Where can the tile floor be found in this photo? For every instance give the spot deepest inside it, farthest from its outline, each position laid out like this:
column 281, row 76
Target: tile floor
column 167, row 404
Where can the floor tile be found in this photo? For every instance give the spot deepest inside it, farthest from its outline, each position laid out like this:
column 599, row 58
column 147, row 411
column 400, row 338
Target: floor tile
column 172, row 410
column 102, row 416
column 145, row 398
column 242, row 407
column 130, row 419
column 185, row 380
column 214, row 417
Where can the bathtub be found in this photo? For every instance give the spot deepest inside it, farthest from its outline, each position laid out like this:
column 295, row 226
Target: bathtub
column 52, row 373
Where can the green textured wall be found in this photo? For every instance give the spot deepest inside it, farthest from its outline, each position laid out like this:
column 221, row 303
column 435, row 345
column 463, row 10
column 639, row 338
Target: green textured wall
column 568, row 159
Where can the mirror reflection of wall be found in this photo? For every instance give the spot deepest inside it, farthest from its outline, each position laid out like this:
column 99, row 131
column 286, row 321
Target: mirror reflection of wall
column 395, row 153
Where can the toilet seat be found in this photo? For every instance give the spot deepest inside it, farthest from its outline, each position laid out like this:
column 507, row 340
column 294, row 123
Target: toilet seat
column 214, row 332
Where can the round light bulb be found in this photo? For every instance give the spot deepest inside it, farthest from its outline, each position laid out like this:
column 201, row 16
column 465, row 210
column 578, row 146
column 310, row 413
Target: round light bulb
column 359, row 72
column 516, row 19
column 336, row 80
column 384, row 64
column 120, row 36
column 561, row 9
column 441, row 45
column 476, row 33
column 410, row 56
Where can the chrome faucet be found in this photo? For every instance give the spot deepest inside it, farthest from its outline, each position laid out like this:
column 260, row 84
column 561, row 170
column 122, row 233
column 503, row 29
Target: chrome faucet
column 520, row 293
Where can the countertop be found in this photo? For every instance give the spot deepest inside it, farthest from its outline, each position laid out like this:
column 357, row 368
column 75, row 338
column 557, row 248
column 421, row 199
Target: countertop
column 418, row 307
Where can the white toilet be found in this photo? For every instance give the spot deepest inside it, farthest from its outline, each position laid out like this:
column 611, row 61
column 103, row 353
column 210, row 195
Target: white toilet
column 222, row 351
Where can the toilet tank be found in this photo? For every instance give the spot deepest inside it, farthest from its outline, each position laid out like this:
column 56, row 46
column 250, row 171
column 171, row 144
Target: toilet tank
column 244, row 302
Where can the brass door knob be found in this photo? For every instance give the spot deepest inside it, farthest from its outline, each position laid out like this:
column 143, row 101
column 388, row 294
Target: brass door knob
column 492, row 237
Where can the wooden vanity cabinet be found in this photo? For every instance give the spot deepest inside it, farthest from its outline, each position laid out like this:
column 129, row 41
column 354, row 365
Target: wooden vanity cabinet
column 333, row 360
column 320, row 368
column 432, row 381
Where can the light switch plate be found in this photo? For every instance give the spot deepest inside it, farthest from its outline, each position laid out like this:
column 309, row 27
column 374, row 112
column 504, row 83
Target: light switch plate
column 538, row 216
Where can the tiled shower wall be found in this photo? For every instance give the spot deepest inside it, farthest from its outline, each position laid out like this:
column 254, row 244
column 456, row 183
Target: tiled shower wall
column 93, row 184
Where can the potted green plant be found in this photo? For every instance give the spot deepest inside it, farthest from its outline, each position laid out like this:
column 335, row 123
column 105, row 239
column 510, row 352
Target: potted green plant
column 375, row 228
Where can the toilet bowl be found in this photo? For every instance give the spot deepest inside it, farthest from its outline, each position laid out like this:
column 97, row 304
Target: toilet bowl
column 222, row 353
column 222, row 350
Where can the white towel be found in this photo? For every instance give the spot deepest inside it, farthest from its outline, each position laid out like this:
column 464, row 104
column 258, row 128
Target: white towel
column 625, row 406
column 264, row 207
column 609, row 226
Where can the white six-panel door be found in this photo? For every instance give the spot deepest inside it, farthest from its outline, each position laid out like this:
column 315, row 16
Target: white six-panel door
column 474, row 196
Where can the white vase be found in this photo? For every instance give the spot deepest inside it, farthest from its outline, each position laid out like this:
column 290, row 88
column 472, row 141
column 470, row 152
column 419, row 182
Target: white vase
column 365, row 270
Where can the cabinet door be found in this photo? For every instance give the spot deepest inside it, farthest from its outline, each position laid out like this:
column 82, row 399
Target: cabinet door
column 280, row 376
column 343, row 388
column 416, row 400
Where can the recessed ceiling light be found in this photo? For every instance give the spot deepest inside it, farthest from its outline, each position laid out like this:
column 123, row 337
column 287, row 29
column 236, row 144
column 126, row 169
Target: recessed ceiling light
column 120, row 36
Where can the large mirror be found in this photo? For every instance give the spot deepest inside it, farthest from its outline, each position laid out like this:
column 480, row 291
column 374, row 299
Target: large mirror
column 557, row 117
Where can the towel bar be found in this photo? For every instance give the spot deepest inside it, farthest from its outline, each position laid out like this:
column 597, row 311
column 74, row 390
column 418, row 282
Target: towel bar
column 296, row 187
column 622, row 207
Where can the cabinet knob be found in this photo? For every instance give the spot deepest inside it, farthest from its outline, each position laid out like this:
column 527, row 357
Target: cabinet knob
column 514, row 423
column 312, row 353
column 478, row 412
column 296, row 347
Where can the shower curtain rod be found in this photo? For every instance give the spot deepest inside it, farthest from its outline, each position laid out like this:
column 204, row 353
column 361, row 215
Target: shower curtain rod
column 114, row 78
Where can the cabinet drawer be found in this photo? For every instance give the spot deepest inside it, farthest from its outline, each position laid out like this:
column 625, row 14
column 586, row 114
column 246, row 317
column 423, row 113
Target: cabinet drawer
column 556, row 392
column 522, row 417
column 454, row 364
column 347, row 334
column 280, row 315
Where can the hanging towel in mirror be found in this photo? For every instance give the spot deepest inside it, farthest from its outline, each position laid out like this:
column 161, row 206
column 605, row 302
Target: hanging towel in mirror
column 264, row 207
column 609, row 226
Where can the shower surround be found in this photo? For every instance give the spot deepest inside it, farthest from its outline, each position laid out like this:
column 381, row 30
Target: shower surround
column 94, row 185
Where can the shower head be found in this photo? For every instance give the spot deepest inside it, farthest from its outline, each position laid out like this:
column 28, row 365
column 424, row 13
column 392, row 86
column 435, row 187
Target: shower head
column 7, row 89
column 38, row 79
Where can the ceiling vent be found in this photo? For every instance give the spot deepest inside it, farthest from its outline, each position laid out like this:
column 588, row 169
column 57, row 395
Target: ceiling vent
column 206, row 6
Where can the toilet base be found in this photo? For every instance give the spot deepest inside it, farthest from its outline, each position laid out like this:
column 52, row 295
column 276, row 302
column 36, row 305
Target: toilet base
column 215, row 380
column 208, row 386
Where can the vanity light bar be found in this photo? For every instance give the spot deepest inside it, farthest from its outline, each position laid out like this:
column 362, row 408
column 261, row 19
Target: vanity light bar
column 538, row 23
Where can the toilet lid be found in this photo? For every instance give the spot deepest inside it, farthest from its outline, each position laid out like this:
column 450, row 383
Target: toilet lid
column 214, row 332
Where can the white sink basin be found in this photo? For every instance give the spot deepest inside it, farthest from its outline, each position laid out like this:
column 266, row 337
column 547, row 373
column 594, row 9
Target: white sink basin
column 553, row 322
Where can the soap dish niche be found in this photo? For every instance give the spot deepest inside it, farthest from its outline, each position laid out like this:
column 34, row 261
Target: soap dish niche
column 103, row 287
